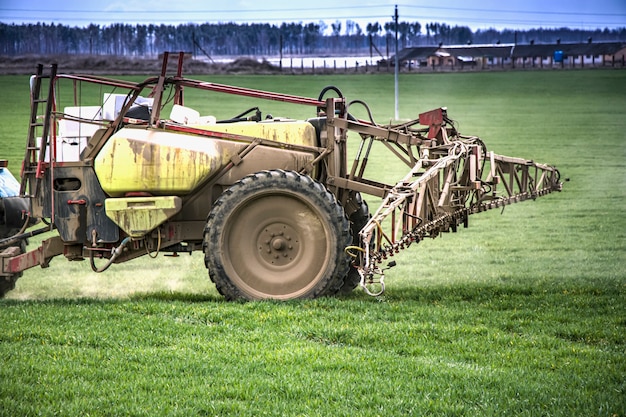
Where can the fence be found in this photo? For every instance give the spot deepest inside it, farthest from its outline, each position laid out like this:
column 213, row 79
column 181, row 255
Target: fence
column 315, row 65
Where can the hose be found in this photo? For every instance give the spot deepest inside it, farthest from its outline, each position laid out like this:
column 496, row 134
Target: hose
column 12, row 240
column 158, row 249
column 323, row 92
column 327, row 88
column 367, row 108
column 240, row 117
column 115, row 252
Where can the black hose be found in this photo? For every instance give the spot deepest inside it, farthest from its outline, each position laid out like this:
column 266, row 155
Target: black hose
column 367, row 108
column 327, row 88
column 323, row 92
column 12, row 240
column 240, row 117
column 258, row 113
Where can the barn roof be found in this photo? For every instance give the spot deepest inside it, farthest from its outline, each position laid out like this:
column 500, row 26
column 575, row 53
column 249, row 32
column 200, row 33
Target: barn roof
column 491, row 51
column 417, row 53
column 511, row 50
column 571, row 49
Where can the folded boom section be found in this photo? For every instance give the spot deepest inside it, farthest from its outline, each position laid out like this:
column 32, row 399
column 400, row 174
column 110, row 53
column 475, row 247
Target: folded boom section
column 448, row 183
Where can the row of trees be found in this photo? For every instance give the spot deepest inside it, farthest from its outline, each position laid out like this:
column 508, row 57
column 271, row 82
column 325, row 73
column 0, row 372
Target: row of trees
column 262, row 39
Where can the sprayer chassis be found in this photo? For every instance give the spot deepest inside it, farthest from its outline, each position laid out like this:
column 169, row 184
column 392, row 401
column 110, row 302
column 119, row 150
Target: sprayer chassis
column 274, row 204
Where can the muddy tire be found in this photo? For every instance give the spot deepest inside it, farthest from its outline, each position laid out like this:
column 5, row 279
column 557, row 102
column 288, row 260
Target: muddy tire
column 7, row 283
column 358, row 220
column 277, row 235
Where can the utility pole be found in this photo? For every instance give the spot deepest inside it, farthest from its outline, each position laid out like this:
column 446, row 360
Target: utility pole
column 397, row 65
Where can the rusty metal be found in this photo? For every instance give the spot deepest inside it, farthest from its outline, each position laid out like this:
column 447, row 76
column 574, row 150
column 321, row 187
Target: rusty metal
column 13, row 261
column 429, row 206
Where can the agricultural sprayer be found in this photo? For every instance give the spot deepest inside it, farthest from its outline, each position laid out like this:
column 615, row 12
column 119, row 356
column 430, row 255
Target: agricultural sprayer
column 115, row 170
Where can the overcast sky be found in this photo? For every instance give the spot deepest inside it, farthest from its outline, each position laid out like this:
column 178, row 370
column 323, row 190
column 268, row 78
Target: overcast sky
column 477, row 14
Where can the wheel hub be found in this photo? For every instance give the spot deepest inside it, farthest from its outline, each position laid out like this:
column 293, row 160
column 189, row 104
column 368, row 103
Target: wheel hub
column 278, row 244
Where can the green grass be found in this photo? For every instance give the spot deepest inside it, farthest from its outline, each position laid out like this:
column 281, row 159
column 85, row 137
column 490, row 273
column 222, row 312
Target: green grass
column 468, row 350
column 523, row 313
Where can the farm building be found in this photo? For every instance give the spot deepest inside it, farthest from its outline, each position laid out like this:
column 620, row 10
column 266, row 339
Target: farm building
column 572, row 54
column 515, row 55
column 418, row 56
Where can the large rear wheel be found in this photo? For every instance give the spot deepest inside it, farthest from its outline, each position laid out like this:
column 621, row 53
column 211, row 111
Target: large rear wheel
column 277, row 235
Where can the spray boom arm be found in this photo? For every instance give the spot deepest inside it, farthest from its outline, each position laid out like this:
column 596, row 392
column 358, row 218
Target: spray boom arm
column 452, row 177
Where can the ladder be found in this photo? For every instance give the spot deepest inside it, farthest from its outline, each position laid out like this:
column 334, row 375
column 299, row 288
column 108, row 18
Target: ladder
column 157, row 91
column 39, row 127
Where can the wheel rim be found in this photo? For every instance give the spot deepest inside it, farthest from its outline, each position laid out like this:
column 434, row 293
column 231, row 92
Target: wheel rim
column 276, row 245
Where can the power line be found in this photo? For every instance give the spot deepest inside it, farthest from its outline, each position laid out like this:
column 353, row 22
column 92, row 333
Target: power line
column 287, row 10
column 110, row 17
column 518, row 22
column 184, row 19
column 442, row 19
column 535, row 12
column 211, row 11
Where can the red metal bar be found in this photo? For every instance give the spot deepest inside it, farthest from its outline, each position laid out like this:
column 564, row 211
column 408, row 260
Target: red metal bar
column 40, row 256
column 178, row 96
column 106, row 81
column 166, row 57
column 249, row 92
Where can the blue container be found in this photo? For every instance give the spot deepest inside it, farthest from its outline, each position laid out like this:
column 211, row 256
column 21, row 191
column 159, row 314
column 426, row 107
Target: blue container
column 9, row 187
column 558, row 56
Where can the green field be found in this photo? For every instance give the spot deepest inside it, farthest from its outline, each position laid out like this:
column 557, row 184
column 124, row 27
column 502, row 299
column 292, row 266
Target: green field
column 521, row 314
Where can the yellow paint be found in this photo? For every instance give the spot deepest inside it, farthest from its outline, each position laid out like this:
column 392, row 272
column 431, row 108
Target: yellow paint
column 172, row 163
column 137, row 216
column 291, row 132
column 159, row 162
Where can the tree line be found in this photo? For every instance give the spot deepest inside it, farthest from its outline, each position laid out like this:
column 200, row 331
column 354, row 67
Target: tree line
column 263, row 39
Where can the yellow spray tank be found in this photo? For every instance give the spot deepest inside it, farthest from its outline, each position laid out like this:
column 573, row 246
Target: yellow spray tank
column 145, row 170
column 162, row 162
